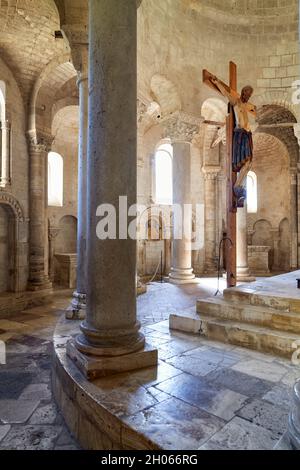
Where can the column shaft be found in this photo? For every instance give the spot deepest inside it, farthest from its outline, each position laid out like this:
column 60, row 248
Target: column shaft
column 78, row 306
column 38, row 239
column 243, row 272
column 211, row 175
column 5, row 154
column 182, row 271
column 110, row 334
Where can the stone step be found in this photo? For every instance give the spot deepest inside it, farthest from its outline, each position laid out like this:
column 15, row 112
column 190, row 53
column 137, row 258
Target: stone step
column 264, row 316
column 241, row 334
column 259, row 298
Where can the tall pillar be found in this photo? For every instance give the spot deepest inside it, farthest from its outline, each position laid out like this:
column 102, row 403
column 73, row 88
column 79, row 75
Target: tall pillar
column 52, row 234
column 38, row 151
column 243, row 271
column 276, row 241
column 110, row 340
column 181, row 129
column 5, row 159
column 294, row 219
column 78, row 305
column 210, row 209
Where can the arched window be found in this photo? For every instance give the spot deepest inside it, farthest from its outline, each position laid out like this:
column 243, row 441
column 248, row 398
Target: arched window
column 164, row 174
column 252, row 192
column 55, row 179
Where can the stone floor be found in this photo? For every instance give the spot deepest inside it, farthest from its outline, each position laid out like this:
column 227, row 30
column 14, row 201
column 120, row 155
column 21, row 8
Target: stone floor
column 206, row 395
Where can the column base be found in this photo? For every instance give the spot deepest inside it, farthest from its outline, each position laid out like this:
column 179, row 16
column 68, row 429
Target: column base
column 294, row 419
column 182, row 276
column 77, row 309
column 94, row 367
column 244, row 275
column 42, row 284
column 141, row 288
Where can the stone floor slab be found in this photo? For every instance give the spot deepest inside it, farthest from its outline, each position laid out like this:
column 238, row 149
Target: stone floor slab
column 38, row 391
column 262, row 370
column 240, row 434
column 17, row 411
column 12, row 383
column 31, row 437
column 218, row 401
column 46, row 414
column 4, row 429
column 240, row 382
column 270, row 417
column 176, row 425
column 280, row 395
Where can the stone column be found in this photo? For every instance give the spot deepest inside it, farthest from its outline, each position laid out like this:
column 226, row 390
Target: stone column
column 210, row 197
column 294, row 220
column 181, row 129
column 111, row 341
column 276, row 239
column 52, row 234
column 5, row 170
column 243, row 271
column 38, row 151
column 78, row 305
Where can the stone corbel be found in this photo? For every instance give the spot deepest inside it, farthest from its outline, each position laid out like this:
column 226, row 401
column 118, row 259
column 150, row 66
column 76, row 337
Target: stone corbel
column 77, row 37
column 181, row 127
column 148, row 114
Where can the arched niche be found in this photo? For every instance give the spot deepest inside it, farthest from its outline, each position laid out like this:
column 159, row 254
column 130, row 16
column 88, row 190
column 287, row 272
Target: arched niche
column 13, row 245
column 66, row 240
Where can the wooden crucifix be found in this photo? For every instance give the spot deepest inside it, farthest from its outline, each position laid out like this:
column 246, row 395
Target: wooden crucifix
column 239, row 155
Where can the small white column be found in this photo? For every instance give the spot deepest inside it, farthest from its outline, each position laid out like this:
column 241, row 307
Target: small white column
column 243, row 271
column 181, row 128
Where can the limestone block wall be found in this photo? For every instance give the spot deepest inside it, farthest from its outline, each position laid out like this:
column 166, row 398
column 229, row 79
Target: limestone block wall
column 65, row 130
column 271, row 224
column 62, row 221
column 17, row 191
column 178, row 38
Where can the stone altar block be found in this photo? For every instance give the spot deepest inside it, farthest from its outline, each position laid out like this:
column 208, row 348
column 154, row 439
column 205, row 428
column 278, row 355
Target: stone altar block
column 65, row 272
column 258, row 259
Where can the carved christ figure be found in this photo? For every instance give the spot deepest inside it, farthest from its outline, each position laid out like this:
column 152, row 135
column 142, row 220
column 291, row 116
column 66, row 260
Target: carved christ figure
column 242, row 137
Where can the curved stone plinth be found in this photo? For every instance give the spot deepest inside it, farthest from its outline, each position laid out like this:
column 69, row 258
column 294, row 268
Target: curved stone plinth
column 294, row 419
column 182, row 276
column 98, row 413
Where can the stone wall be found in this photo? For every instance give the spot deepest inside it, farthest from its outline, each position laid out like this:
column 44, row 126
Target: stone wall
column 17, row 192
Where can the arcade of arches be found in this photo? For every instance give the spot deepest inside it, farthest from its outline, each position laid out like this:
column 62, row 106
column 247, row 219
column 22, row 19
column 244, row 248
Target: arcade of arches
column 65, row 149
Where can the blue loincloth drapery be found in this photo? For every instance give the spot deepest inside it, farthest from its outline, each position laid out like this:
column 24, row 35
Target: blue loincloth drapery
column 242, row 148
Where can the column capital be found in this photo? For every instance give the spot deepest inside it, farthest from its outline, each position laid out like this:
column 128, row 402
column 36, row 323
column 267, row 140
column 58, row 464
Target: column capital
column 211, row 172
column 181, row 127
column 52, row 233
column 39, row 141
column 5, row 125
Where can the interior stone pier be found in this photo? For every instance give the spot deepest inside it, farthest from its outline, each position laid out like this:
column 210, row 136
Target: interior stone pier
column 182, row 128
column 210, row 177
column 111, row 340
column 78, row 305
column 38, row 149
column 243, row 271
